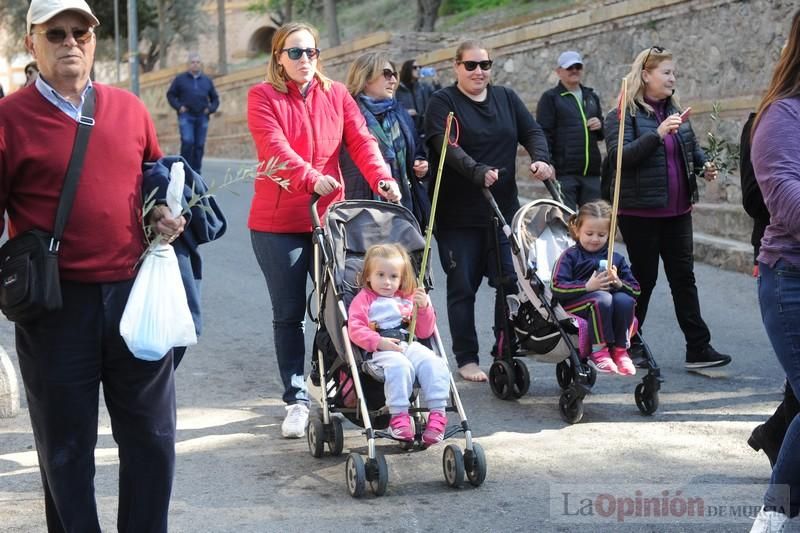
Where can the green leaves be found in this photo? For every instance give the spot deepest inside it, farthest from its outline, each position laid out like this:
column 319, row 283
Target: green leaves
column 722, row 152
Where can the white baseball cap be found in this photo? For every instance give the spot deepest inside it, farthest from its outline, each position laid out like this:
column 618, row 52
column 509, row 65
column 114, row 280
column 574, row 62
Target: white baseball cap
column 43, row 10
column 569, row 58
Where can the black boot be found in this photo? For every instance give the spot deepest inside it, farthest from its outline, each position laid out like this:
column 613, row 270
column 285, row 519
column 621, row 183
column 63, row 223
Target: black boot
column 769, row 435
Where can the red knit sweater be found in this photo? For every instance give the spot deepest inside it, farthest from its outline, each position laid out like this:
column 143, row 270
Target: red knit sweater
column 103, row 238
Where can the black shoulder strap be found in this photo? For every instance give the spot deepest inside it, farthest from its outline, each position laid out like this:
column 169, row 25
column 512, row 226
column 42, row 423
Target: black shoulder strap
column 86, row 121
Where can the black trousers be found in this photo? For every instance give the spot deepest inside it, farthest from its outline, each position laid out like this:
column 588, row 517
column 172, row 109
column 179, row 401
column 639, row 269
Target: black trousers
column 671, row 239
column 64, row 357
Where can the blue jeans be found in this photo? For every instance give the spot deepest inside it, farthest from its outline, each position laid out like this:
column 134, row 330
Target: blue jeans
column 285, row 259
column 193, row 129
column 467, row 255
column 779, row 297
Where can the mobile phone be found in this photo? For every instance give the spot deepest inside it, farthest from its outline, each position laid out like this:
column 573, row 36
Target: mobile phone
column 685, row 114
column 603, row 265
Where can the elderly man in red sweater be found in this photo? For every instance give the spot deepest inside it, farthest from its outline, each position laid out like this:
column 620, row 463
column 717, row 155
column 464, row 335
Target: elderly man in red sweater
column 66, row 354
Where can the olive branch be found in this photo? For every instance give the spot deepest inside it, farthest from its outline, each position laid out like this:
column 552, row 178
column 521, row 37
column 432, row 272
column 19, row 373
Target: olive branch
column 263, row 170
column 722, row 152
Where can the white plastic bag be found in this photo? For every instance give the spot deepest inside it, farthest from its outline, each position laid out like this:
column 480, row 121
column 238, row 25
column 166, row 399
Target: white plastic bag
column 157, row 317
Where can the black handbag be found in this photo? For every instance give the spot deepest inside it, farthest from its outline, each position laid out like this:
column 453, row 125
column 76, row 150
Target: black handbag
column 29, row 280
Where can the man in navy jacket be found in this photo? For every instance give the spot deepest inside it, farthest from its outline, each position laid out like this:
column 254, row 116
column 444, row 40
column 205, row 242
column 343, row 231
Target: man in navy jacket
column 572, row 120
column 193, row 96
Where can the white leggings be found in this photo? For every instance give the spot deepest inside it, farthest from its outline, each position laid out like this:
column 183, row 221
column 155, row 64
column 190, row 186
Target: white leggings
column 400, row 369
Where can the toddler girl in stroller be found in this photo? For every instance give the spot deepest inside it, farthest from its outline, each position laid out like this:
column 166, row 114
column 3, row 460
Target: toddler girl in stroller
column 379, row 316
column 604, row 297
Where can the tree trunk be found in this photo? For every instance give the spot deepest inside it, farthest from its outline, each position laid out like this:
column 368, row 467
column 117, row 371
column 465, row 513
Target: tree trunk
column 222, row 61
column 427, row 13
column 288, row 11
column 162, row 34
column 331, row 23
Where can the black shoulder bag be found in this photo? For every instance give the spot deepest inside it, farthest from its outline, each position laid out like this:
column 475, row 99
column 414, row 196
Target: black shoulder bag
column 29, row 280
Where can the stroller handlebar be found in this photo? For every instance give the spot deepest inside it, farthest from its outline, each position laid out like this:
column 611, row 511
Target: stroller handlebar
column 553, row 190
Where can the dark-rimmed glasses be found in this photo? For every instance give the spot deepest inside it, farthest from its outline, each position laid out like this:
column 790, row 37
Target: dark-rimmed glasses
column 59, row 35
column 388, row 74
column 657, row 49
column 295, row 53
column 486, row 64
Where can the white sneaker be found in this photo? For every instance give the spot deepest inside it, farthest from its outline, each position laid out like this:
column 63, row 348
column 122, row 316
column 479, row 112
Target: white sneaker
column 294, row 425
column 769, row 522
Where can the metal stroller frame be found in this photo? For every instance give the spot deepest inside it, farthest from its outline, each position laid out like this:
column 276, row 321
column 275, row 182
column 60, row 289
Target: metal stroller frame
column 323, row 427
column 510, row 378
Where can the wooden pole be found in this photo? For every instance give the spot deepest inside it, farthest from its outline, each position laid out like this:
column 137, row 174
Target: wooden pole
column 429, row 229
column 620, row 139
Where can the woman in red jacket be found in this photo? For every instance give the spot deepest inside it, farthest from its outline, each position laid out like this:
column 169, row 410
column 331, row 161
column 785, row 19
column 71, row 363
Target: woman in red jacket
column 302, row 119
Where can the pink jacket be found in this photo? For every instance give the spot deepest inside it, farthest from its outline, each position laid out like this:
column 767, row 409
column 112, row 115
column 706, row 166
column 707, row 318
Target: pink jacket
column 306, row 134
column 367, row 338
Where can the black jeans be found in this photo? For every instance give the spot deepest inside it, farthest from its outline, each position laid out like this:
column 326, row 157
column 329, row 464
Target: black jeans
column 63, row 358
column 670, row 238
column 467, row 255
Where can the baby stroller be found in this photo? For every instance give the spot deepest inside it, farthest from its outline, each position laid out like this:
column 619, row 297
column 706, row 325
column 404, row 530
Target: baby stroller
column 544, row 330
column 346, row 387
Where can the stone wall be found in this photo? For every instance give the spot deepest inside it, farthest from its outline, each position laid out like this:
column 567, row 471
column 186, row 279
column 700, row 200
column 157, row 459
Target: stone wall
column 725, row 51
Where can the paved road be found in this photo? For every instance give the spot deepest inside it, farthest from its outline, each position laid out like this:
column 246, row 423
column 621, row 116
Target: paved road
column 235, row 473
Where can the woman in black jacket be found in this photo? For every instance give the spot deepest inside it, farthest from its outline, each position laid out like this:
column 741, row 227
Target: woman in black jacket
column 661, row 159
column 372, row 82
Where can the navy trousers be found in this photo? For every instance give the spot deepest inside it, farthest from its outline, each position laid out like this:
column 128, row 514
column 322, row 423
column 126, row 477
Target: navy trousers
column 64, row 357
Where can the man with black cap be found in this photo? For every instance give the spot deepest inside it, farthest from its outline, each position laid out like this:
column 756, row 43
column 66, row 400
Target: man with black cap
column 572, row 120
column 66, row 354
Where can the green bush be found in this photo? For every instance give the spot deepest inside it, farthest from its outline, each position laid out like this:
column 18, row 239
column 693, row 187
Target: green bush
column 451, row 7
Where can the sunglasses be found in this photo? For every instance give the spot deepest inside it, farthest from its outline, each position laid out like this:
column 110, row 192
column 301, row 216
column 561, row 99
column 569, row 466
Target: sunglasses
column 657, row 49
column 486, row 64
column 388, row 74
column 59, row 35
column 295, row 53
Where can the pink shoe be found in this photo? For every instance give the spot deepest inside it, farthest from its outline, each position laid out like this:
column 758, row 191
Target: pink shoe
column 625, row 366
column 400, row 427
column 602, row 361
column 434, row 430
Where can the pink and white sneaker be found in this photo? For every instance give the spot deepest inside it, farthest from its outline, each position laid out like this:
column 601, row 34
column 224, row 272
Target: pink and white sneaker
column 622, row 359
column 434, row 430
column 400, row 427
column 602, row 361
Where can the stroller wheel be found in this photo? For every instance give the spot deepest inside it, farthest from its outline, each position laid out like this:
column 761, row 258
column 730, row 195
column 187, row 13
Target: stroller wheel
column 379, row 474
column 522, row 379
column 453, row 465
column 502, row 379
column 564, row 373
column 570, row 406
column 355, row 475
column 646, row 399
column 475, row 465
column 315, row 433
column 336, row 437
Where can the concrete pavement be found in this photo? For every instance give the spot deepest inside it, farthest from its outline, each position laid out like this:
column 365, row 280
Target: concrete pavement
column 235, row 472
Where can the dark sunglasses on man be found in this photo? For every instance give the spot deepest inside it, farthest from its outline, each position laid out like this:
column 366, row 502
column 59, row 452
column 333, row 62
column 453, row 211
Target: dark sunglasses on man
column 295, row 53
column 59, row 35
column 486, row 64
column 388, row 74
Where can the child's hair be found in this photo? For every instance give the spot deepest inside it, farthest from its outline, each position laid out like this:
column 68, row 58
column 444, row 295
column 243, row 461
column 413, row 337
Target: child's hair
column 408, row 283
column 597, row 209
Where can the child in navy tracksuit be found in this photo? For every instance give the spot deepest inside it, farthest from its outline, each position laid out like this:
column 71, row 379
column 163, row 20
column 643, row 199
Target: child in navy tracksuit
column 604, row 297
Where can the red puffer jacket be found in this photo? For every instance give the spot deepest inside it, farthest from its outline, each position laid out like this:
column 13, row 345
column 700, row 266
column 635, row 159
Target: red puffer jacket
column 306, row 134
